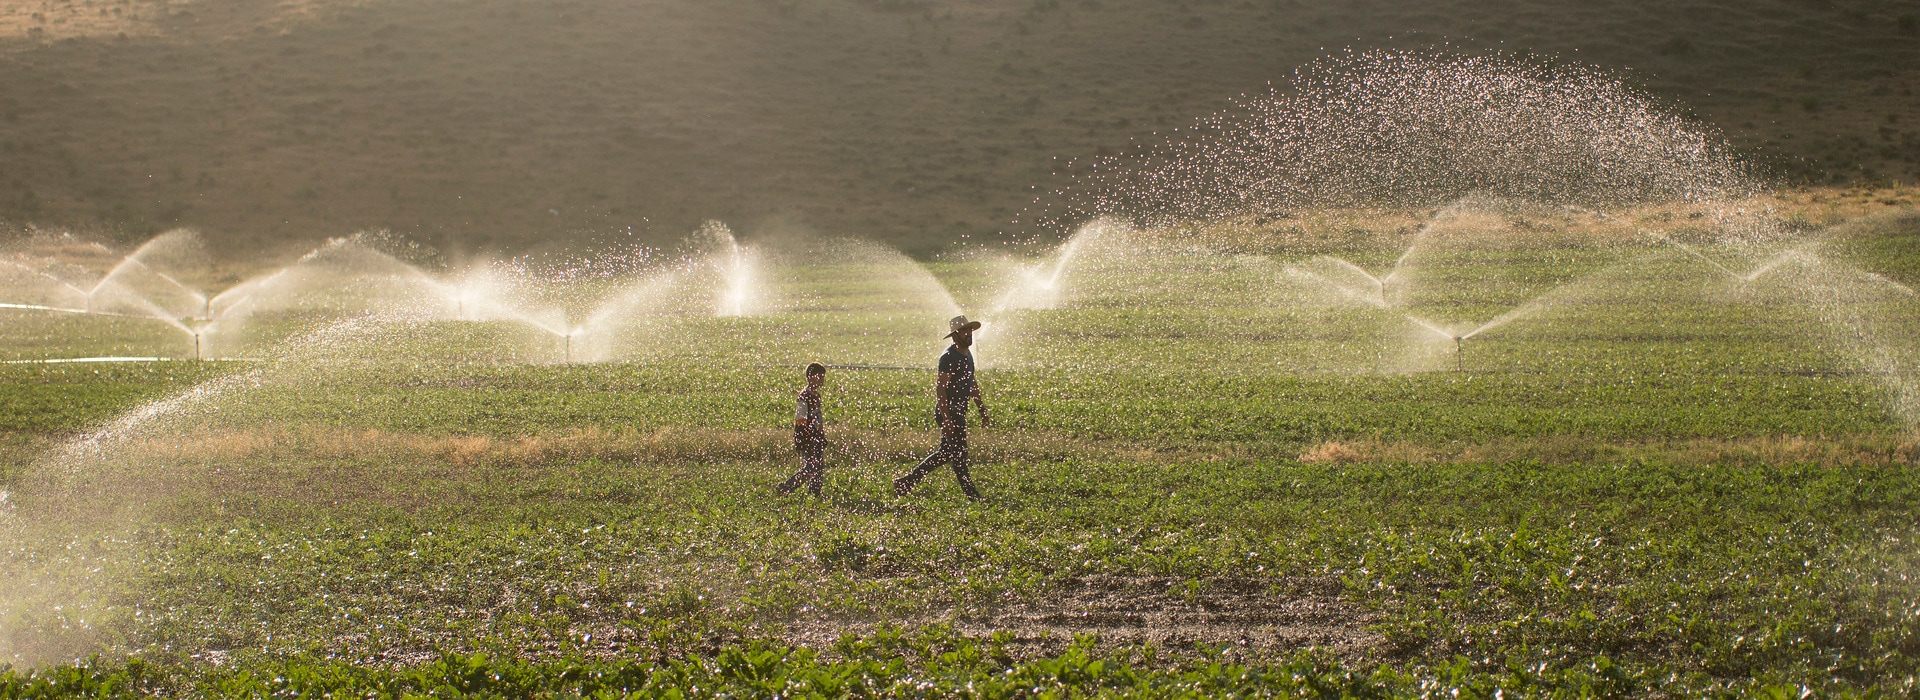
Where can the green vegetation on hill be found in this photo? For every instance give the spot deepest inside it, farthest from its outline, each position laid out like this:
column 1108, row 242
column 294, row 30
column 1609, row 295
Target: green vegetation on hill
column 494, row 123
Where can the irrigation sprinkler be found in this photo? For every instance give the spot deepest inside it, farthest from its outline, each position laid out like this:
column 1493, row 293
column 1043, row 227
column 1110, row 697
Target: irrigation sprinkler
column 566, row 344
column 1459, row 354
column 196, row 345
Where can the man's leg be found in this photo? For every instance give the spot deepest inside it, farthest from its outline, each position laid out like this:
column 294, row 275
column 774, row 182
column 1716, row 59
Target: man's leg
column 941, row 455
column 958, row 461
column 953, row 430
column 906, row 482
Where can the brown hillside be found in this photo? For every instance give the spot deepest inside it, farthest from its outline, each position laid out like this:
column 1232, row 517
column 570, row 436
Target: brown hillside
column 505, row 123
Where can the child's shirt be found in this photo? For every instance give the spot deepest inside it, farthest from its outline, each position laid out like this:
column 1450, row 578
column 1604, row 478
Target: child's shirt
column 807, row 408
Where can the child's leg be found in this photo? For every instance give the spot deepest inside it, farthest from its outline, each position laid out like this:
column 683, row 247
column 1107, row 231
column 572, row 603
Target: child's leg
column 815, row 466
column 793, row 482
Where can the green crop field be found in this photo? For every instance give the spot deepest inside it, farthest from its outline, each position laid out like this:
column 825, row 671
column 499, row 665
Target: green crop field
column 1213, row 470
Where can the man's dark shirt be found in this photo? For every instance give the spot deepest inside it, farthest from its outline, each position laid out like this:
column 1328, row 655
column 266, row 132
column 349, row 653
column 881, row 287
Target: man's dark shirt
column 959, row 364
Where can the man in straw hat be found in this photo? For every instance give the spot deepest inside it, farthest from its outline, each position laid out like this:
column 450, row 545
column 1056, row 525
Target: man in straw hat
column 954, row 385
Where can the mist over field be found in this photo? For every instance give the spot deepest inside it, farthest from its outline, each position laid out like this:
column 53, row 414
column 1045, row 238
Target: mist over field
column 494, row 124
column 459, row 348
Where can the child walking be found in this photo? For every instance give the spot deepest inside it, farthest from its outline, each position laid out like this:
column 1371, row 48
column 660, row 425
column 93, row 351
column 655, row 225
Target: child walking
column 809, row 434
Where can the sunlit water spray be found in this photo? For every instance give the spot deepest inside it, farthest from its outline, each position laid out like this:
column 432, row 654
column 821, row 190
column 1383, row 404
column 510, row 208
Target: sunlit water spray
column 87, row 487
column 134, row 287
column 1044, row 285
column 1851, row 304
column 1357, row 284
column 1392, row 291
column 54, row 293
column 1409, row 130
column 1766, row 266
column 348, row 275
column 736, row 266
column 162, row 292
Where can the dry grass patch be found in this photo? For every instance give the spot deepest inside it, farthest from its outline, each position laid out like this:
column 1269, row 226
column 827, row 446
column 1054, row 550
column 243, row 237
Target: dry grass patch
column 408, row 471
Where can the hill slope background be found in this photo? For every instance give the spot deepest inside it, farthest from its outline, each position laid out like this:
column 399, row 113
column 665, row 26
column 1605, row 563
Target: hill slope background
column 499, row 124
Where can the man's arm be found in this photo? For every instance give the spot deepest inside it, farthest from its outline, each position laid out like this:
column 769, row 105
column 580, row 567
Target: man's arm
column 982, row 403
column 941, row 383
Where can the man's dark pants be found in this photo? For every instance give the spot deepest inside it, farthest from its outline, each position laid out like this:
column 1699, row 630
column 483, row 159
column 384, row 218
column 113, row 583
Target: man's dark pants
column 813, row 463
column 952, row 452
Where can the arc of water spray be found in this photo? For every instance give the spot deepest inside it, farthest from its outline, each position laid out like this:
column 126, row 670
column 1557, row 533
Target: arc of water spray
column 152, row 311
column 1376, row 303
column 65, row 310
column 38, row 307
column 1690, row 251
column 1049, row 284
column 739, row 281
column 1419, row 237
column 1756, row 273
column 1349, row 292
column 1763, row 269
column 736, row 269
column 49, row 277
column 1884, row 281
column 1792, row 253
column 1530, row 306
column 469, row 300
column 472, row 304
column 157, row 313
column 1381, row 283
column 1071, row 250
column 248, row 290
column 1431, row 326
column 628, row 297
column 1459, row 339
column 133, row 261
column 240, row 296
